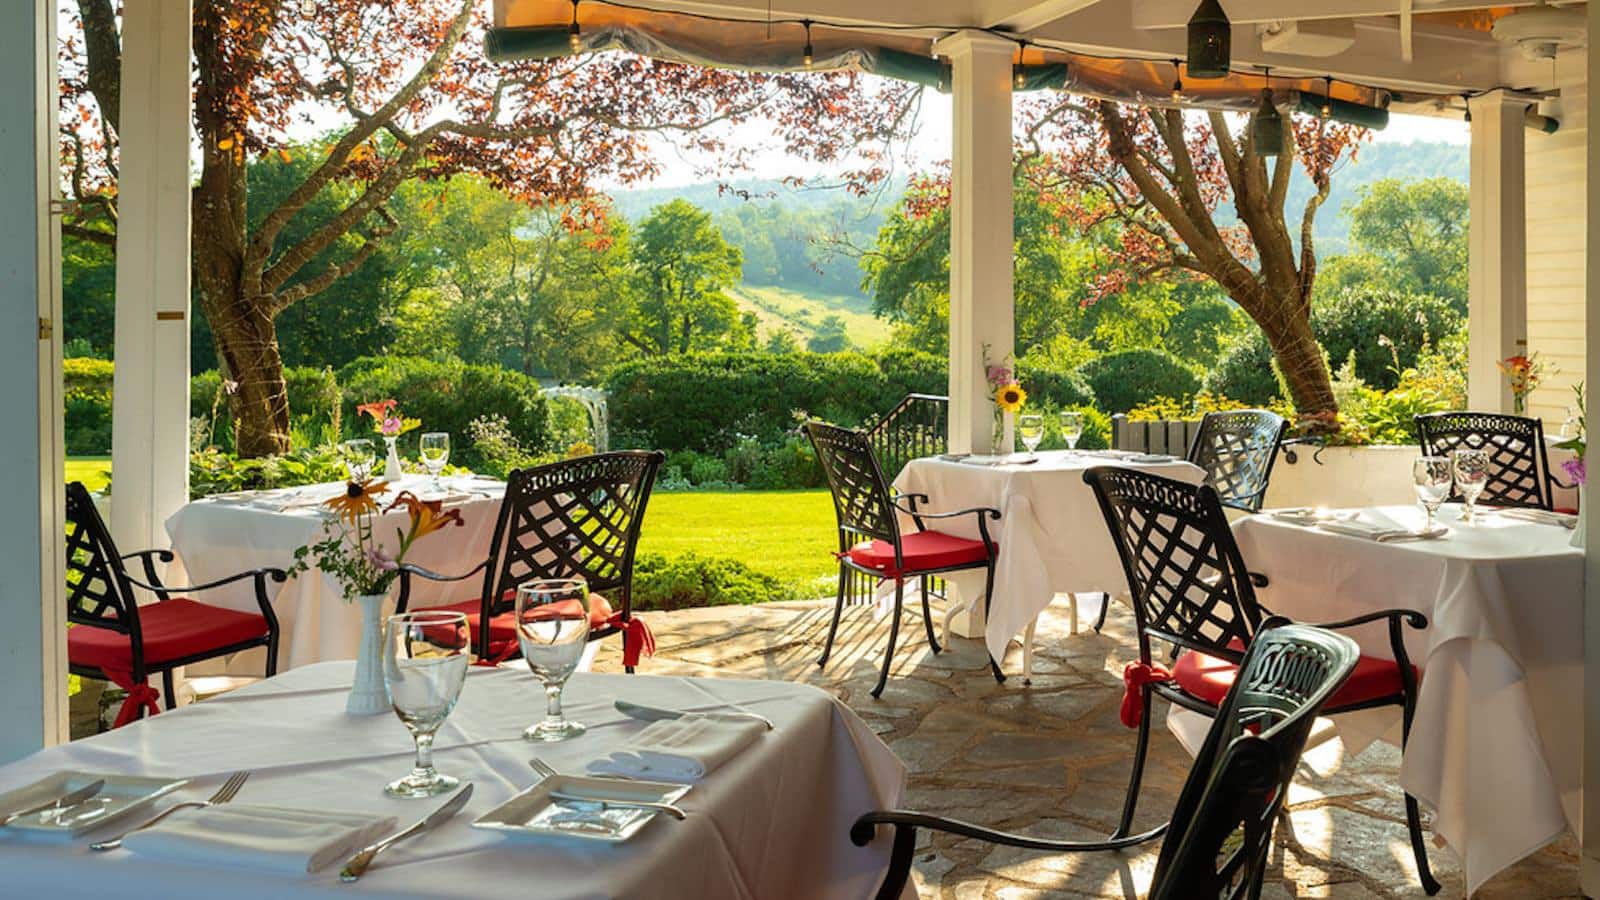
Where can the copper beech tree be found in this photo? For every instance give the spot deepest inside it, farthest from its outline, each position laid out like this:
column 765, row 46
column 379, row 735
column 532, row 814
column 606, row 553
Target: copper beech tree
column 410, row 95
column 1158, row 177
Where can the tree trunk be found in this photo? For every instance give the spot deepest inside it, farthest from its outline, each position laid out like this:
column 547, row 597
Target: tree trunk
column 1300, row 358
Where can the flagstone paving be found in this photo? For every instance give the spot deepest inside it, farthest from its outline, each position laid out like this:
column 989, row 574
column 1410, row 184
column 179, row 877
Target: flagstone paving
column 1052, row 759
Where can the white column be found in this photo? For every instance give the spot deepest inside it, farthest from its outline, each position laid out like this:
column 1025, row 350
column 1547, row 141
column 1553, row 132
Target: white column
column 981, row 254
column 1590, row 702
column 1497, row 306
column 150, row 415
column 33, row 667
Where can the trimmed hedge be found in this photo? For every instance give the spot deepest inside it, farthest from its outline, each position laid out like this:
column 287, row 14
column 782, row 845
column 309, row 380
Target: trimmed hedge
column 313, row 402
column 87, row 405
column 1128, row 378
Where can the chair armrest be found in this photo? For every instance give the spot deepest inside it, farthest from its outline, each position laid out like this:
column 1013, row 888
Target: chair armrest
column 861, row 833
column 261, row 574
column 980, row 511
column 1257, row 579
column 408, row 569
column 165, row 556
column 1394, row 616
column 914, row 497
column 147, row 560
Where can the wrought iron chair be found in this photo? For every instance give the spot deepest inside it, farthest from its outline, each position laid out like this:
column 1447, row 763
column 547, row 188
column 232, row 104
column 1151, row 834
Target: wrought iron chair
column 871, row 543
column 1520, row 465
column 578, row 518
column 1221, row 829
column 1192, row 592
column 116, row 639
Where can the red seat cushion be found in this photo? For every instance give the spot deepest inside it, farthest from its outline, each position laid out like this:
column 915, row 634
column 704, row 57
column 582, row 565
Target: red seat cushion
column 503, row 627
column 1210, row 677
column 171, row 629
column 920, row 551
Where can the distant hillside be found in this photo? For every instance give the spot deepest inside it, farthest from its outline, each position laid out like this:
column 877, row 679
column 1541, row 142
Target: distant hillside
column 802, row 314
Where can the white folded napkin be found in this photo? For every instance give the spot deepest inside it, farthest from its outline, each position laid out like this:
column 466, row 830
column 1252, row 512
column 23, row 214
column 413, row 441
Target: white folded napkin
column 259, row 837
column 681, row 750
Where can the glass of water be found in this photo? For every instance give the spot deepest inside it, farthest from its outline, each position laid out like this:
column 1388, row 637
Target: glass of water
column 553, row 629
column 1432, row 478
column 435, row 450
column 1071, row 428
column 425, row 657
column 358, row 456
column 1031, row 428
column 1471, row 471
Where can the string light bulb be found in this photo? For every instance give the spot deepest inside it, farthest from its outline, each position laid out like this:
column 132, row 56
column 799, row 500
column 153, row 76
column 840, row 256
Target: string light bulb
column 1466, row 107
column 574, row 33
column 807, row 56
column 1019, row 76
column 1327, row 97
column 1177, row 81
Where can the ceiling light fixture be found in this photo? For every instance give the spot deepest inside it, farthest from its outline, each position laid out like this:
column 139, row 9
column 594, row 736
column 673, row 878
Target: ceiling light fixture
column 1210, row 41
column 1266, row 129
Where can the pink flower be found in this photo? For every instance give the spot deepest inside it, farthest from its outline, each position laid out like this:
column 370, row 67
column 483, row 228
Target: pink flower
column 1576, row 470
column 391, row 426
column 381, row 560
column 999, row 375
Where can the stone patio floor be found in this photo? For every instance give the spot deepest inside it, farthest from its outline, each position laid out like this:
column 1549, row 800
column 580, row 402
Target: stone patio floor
column 1052, row 759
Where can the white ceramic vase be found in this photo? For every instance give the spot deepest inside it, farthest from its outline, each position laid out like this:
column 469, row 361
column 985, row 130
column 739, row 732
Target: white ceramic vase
column 1583, row 515
column 391, row 467
column 368, row 697
column 1008, row 434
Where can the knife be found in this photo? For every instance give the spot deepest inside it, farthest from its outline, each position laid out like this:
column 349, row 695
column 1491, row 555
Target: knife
column 609, row 803
column 67, row 800
column 358, row 864
column 657, row 714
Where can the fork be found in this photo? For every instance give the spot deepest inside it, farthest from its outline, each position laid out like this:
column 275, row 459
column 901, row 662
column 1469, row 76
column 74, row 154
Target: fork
column 223, row 795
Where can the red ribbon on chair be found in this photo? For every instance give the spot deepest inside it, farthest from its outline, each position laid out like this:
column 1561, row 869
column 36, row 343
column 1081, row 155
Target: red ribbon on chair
column 140, row 697
column 1134, row 678
column 636, row 637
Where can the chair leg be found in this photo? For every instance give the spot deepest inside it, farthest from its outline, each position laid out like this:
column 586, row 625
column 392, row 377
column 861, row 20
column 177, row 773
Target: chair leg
column 170, row 690
column 1413, row 814
column 1027, row 652
column 1105, row 607
column 1140, row 749
column 894, row 631
column 272, row 654
column 927, row 617
column 838, row 608
column 988, row 592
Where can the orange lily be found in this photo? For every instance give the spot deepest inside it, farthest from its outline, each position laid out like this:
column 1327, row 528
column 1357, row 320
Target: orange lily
column 427, row 516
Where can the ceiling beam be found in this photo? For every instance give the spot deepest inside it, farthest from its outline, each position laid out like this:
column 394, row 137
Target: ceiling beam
column 1026, row 15
column 1176, row 13
column 939, row 15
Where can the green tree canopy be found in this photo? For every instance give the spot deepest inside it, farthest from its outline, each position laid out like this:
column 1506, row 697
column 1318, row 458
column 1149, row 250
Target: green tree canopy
column 682, row 265
column 1417, row 231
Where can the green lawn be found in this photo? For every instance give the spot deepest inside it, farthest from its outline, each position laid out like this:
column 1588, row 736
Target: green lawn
column 787, row 534
column 801, row 312
column 93, row 471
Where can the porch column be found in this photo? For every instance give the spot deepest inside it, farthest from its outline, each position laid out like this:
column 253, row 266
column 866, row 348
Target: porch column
column 980, row 229
column 33, row 667
column 150, row 416
column 1497, row 305
column 1590, row 836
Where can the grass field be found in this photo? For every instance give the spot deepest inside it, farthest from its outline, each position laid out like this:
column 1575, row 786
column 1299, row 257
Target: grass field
column 801, row 313
column 787, row 534
column 93, row 471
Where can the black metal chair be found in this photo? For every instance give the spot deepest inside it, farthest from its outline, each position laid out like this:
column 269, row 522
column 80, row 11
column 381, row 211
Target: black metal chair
column 1192, row 592
column 1520, row 473
column 871, row 543
column 1221, row 829
column 1237, row 449
column 577, row 518
column 116, row 639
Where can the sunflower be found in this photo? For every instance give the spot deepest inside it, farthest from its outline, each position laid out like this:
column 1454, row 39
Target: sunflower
column 357, row 500
column 1010, row 397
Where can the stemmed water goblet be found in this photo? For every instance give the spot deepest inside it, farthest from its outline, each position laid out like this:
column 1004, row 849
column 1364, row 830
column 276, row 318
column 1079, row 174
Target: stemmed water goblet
column 1031, row 428
column 425, row 657
column 1432, row 478
column 1071, row 428
column 434, row 447
column 358, row 456
column 1471, row 471
column 552, row 617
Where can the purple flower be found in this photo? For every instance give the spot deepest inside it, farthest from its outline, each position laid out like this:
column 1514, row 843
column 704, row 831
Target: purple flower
column 381, row 561
column 1576, row 470
column 392, row 426
column 999, row 375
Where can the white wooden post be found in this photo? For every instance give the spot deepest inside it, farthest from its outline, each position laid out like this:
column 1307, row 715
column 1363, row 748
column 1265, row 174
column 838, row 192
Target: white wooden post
column 1497, row 306
column 33, row 666
column 150, row 413
column 1590, row 702
column 981, row 255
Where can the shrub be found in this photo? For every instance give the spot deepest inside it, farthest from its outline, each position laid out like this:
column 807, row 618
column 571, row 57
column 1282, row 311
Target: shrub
column 1246, row 372
column 313, row 406
column 498, row 450
column 212, row 471
column 689, row 580
column 1124, row 379
column 87, row 405
column 79, row 373
column 1062, row 387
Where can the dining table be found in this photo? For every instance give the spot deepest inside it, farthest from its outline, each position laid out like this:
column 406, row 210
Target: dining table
column 1497, row 741
column 1052, row 537
column 219, row 535
column 771, row 821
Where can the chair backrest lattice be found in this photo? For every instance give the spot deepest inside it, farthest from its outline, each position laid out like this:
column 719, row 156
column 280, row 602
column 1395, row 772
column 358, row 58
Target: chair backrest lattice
column 1221, row 829
column 578, row 518
column 1188, row 582
column 98, row 591
column 860, row 495
column 1519, row 466
column 1236, row 449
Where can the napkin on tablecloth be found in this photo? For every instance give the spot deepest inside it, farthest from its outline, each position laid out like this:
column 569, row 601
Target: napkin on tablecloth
column 682, row 750
column 259, row 837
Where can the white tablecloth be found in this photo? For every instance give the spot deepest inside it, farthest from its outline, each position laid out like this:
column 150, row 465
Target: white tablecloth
column 772, row 822
column 1496, row 746
column 1052, row 536
column 215, row 538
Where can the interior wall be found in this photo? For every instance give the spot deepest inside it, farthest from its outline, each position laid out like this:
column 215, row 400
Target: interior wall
column 1556, row 192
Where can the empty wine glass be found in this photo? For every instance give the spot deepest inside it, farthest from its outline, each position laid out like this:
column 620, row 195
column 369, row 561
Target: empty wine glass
column 435, row 450
column 1471, row 470
column 358, row 456
column 553, row 628
column 1031, row 428
column 425, row 657
column 1432, row 477
column 1071, row 428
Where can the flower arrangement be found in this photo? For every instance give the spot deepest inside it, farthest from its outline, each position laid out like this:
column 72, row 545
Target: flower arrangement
column 1575, row 468
column 1524, row 374
column 386, row 420
column 350, row 550
column 1003, row 385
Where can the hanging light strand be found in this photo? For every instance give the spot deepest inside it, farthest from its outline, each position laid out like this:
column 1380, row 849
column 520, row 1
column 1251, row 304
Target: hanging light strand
column 1177, row 81
column 808, row 56
column 574, row 33
column 1327, row 97
column 1019, row 75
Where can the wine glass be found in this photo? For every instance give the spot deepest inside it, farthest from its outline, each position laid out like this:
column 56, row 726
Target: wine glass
column 1432, row 477
column 358, row 456
column 1031, row 428
column 1471, row 470
column 435, row 450
column 425, row 657
column 1071, row 428
column 552, row 618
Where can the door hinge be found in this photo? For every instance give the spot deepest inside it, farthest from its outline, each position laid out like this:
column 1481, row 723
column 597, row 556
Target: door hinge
column 46, row 328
